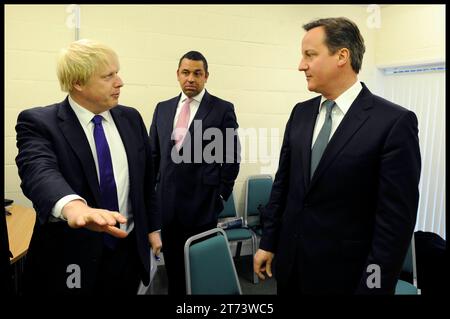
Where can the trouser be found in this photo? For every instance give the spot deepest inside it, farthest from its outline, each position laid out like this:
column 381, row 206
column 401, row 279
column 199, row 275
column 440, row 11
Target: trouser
column 174, row 236
column 119, row 269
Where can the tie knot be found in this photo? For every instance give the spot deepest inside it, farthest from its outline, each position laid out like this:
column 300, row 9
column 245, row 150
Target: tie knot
column 97, row 119
column 329, row 104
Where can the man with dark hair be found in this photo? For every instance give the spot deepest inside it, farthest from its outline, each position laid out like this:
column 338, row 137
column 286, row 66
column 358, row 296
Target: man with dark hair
column 193, row 178
column 344, row 201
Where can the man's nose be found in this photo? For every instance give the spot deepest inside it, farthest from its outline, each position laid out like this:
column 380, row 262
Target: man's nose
column 119, row 82
column 302, row 66
column 191, row 78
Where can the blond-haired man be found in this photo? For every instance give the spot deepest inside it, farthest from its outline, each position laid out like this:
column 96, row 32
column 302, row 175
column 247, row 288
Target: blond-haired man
column 85, row 164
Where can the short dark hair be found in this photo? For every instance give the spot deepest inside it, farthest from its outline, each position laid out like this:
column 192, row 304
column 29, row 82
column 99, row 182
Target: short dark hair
column 342, row 33
column 196, row 56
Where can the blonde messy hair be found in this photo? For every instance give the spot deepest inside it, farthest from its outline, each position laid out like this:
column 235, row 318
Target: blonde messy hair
column 78, row 62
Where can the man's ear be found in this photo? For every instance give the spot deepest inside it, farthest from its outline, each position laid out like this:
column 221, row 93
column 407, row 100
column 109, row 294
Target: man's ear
column 343, row 56
column 77, row 86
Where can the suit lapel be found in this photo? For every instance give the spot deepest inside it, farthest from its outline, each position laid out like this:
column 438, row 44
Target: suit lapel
column 125, row 129
column 203, row 110
column 351, row 123
column 169, row 118
column 75, row 136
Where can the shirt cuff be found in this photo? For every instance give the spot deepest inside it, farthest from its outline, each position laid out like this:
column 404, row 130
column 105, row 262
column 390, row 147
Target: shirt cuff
column 57, row 209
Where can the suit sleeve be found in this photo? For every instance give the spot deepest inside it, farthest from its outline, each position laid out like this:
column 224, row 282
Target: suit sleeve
column 396, row 211
column 42, row 181
column 272, row 213
column 154, row 143
column 232, row 156
column 153, row 212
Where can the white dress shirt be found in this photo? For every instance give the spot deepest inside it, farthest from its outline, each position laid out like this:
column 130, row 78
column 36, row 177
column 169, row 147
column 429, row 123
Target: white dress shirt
column 118, row 157
column 193, row 106
column 343, row 103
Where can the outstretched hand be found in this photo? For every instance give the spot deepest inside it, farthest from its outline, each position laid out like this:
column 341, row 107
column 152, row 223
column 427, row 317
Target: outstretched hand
column 78, row 215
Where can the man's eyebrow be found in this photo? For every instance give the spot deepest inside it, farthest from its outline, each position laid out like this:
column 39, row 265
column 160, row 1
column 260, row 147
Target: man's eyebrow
column 196, row 70
column 107, row 73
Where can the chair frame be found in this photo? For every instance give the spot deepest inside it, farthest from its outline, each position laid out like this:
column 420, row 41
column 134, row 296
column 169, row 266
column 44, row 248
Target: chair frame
column 239, row 242
column 413, row 253
column 414, row 266
column 187, row 264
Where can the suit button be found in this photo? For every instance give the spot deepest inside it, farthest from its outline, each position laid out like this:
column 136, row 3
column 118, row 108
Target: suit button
column 306, row 204
column 295, row 235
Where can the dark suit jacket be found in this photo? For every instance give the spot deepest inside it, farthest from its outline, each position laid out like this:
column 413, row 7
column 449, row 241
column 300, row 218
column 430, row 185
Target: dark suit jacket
column 55, row 160
column 360, row 206
column 6, row 279
column 191, row 191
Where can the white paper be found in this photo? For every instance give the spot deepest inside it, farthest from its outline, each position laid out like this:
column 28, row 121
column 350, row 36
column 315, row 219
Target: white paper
column 144, row 290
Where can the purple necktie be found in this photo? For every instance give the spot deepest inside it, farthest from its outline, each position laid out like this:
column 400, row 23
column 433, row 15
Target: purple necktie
column 108, row 190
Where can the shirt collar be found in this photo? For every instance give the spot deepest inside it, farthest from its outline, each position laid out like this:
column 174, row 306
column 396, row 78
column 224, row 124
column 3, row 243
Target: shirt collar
column 198, row 98
column 346, row 99
column 84, row 115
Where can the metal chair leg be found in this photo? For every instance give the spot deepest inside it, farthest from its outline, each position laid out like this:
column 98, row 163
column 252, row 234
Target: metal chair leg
column 255, row 277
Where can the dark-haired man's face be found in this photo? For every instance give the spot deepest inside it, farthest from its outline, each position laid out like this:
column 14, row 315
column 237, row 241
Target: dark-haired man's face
column 321, row 67
column 192, row 77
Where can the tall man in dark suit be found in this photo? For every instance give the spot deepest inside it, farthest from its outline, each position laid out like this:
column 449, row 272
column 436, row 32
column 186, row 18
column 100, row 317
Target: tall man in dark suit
column 195, row 152
column 85, row 163
column 344, row 201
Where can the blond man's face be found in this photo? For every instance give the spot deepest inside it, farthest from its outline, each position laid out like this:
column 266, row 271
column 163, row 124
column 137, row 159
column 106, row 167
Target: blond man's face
column 102, row 90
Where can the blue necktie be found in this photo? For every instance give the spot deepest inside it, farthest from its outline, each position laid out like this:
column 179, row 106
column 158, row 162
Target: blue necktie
column 108, row 190
column 322, row 138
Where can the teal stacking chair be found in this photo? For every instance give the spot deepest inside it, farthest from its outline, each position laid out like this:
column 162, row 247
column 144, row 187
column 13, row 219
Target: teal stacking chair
column 409, row 266
column 257, row 195
column 209, row 265
column 240, row 234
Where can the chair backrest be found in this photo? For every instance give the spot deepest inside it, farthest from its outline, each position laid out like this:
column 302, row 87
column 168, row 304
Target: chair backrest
column 209, row 265
column 257, row 192
column 229, row 208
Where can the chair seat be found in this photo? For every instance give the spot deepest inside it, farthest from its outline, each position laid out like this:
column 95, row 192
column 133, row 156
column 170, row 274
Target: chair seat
column 405, row 288
column 238, row 234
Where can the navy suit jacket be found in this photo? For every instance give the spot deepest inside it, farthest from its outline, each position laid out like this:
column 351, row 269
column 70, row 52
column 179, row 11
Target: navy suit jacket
column 360, row 206
column 191, row 191
column 55, row 160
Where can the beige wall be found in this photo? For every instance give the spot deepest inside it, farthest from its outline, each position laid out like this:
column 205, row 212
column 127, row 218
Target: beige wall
column 410, row 34
column 253, row 53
